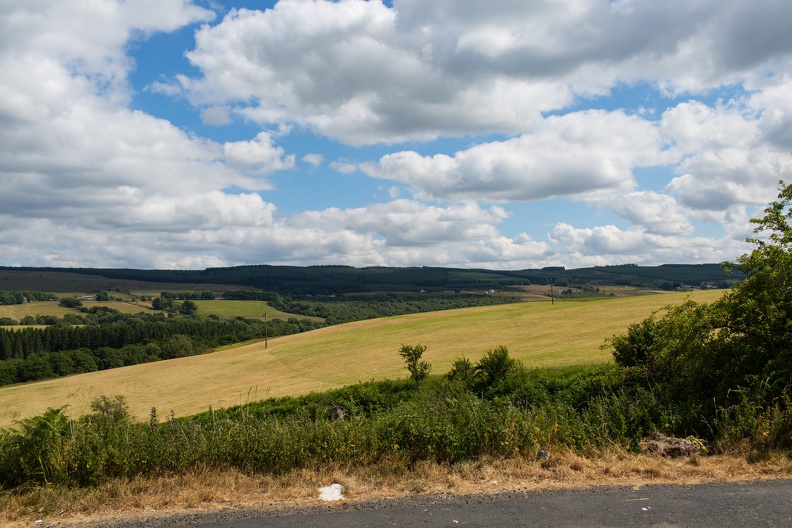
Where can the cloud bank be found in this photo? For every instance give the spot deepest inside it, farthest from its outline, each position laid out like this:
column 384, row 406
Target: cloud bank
column 666, row 126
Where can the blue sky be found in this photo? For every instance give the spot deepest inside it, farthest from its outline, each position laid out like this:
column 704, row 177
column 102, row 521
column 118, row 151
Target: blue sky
column 506, row 135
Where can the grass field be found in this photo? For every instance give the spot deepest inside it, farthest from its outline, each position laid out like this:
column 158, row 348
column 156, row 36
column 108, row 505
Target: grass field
column 243, row 309
column 539, row 334
column 18, row 311
column 254, row 309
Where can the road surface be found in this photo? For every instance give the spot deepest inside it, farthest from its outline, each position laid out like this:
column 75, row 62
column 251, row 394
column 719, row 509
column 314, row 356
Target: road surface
column 755, row 504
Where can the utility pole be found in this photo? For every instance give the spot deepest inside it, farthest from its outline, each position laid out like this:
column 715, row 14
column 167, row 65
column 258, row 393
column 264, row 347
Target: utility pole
column 266, row 329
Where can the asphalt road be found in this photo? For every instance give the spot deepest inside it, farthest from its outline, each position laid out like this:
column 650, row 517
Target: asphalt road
column 756, row 504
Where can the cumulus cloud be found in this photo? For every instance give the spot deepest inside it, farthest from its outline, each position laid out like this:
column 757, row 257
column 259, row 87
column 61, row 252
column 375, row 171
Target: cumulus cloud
column 314, row 160
column 729, row 156
column 363, row 72
column 95, row 181
column 603, row 245
column 657, row 213
column 259, row 154
column 84, row 175
column 578, row 154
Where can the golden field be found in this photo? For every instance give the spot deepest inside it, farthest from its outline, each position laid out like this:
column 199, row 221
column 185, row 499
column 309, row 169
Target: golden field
column 538, row 334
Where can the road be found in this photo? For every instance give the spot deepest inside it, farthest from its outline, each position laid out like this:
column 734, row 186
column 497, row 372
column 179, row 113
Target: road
column 756, row 504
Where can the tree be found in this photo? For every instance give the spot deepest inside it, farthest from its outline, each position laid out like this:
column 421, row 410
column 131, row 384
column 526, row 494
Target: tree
column 70, row 302
column 188, row 308
column 177, row 346
column 412, row 356
column 494, row 367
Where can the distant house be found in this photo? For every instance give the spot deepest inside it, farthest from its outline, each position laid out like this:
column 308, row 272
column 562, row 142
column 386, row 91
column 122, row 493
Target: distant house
column 87, row 298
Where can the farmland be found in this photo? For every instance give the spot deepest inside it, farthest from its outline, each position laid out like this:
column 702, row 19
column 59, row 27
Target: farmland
column 538, row 334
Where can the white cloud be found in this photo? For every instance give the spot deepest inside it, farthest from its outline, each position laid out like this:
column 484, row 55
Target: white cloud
column 258, row 154
column 656, row 213
column 730, row 157
column 362, row 72
column 603, row 245
column 579, row 154
column 215, row 115
column 344, row 167
column 95, row 183
column 314, row 160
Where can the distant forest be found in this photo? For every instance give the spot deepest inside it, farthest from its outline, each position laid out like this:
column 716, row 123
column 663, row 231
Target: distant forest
column 331, row 280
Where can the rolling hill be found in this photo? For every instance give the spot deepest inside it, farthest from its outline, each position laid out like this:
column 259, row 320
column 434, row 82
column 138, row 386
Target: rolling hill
column 538, row 334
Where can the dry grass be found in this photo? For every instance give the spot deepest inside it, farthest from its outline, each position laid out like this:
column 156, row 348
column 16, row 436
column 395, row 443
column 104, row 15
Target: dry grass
column 539, row 334
column 205, row 491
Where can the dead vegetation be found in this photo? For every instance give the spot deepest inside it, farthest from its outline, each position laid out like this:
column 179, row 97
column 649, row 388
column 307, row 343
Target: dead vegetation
column 205, row 490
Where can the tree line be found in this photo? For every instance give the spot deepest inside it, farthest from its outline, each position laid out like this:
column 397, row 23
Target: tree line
column 23, row 296
column 346, row 310
column 109, row 339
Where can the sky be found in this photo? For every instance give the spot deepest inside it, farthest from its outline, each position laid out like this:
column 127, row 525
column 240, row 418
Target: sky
column 507, row 134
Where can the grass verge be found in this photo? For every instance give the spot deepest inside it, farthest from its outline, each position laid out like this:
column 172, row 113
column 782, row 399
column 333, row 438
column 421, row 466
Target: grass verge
column 201, row 490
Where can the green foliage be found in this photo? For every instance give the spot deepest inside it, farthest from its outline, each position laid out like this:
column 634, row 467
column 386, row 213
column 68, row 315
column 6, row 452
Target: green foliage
column 336, row 310
column 21, row 297
column 111, row 410
column 717, row 360
column 412, row 357
column 188, row 308
column 391, row 422
column 462, row 371
column 494, row 367
column 69, row 302
column 33, row 451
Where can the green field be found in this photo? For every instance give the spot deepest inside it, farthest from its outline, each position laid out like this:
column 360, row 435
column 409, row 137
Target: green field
column 221, row 308
column 254, row 309
column 539, row 334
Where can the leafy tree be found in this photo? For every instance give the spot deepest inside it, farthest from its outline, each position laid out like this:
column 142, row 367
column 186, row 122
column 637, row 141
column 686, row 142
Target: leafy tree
column 102, row 296
column 494, row 367
column 69, row 302
column 34, row 368
column 188, row 308
column 177, row 346
column 462, row 371
column 412, row 356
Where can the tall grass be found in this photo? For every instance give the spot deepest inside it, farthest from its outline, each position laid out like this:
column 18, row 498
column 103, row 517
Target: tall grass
column 388, row 422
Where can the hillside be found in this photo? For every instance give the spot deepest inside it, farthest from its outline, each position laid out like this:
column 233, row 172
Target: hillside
column 538, row 334
column 326, row 280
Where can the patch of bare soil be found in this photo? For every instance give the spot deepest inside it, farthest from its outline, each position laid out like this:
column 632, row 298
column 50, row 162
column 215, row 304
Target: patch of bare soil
column 206, row 491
